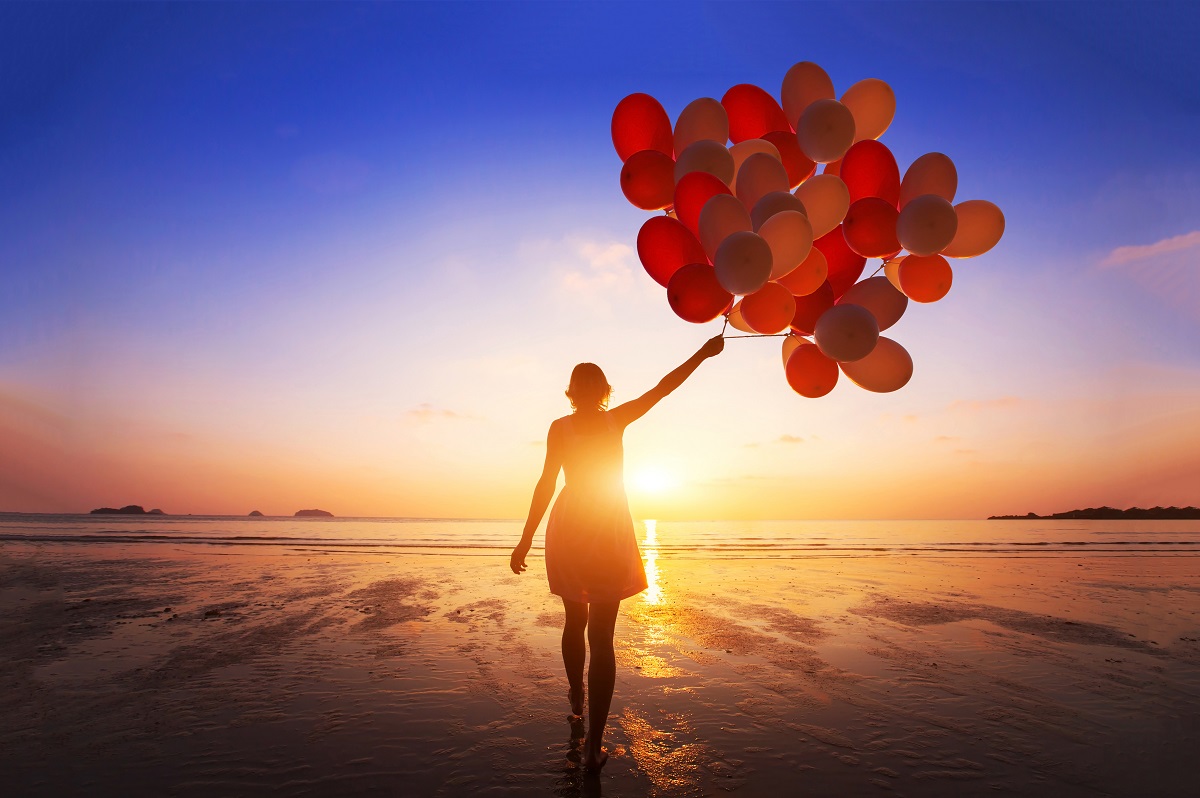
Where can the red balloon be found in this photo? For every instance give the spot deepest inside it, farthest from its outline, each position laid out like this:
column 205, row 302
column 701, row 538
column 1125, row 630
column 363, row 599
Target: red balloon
column 869, row 170
column 640, row 123
column 665, row 246
column 695, row 295
column 845, row 265
column 810, row 307
column 870, row 227
column 648, row 180
column 769, row 309
column 691, row 192
column 799, row 167
column 810, row 373
column 752, row 112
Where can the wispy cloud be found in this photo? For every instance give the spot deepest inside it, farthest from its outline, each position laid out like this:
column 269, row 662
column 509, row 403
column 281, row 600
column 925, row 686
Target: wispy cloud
column 425, row 413
column 1125, row 255
column 790, row 439
column 980, row 405
column 1168, row 269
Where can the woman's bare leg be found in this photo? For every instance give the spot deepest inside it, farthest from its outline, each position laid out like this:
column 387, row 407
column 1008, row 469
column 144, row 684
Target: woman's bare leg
column 574, row 651
column 602, row 675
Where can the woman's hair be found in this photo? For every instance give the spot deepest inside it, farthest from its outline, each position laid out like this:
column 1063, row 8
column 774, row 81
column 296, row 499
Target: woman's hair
column 589, row 387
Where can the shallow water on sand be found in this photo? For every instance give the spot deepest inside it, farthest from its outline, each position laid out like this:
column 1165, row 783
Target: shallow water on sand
column 725, row 539
column 161, row 668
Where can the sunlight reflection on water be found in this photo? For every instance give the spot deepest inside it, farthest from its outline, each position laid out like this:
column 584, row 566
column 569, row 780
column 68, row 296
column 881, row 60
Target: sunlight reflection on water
column 653, row 592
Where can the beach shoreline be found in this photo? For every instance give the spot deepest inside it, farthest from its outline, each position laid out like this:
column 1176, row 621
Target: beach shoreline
column 160, row 669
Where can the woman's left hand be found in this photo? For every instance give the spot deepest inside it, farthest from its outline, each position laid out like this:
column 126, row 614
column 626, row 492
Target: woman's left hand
column 517, row 561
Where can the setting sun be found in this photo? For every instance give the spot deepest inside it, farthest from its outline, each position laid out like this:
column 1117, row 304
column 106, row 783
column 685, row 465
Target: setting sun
column 652, row 480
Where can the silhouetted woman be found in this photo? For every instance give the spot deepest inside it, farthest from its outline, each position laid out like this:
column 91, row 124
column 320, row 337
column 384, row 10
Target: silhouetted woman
column 592, row 557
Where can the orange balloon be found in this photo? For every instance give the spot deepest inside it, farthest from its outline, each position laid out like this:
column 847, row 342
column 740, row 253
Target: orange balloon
column 980, row 226
column 772, row 204
column 759, row 175
column 735, row 319
column 925, row 279
column 790, row 343
column 826, row 130
column 873, row 104
column 789, row 235
column 701, row 120
column 804, row 84
column 721, row 216
column 808, row 276
column 809, row 372
column 640, row 123
column 870, row 228
column 769, row 309
column 705, row 156
column 826, row 199
column 888, row 368
column 877, row 295
column 932, row 173
column 648, row 180
column 891, row 270
column 927, row 225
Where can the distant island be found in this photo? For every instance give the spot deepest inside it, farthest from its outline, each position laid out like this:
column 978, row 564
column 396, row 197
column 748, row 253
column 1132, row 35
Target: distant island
column 255, row 514
column 1113, row 514
column 129, row 509
column 318, row 513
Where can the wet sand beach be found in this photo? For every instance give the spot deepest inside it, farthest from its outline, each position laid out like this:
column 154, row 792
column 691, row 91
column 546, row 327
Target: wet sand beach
column 163, row 670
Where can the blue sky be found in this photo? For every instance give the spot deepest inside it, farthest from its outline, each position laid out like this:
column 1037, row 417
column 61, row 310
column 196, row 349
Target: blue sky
column 201, row 202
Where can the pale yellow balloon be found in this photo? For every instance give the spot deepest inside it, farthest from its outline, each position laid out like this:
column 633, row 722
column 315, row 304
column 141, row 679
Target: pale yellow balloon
column 891, row 270
column 804, row 84
column 826, row 199
column 701, row 120
column 759, row 175
column 772, row 204
column 790, row 237
column 706, row 156
column 744, row 149
column 789, row 345
column 743, row 263
column 721, row 215
column 927, row 225
column 825, row 131
column 932, row 173
column 886, row 302
column 980, row 226
column 873, row 105
column 736, row 321
column 887, row 368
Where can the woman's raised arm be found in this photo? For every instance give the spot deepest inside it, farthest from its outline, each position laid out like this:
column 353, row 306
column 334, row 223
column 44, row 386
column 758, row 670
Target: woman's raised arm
column 634, row 409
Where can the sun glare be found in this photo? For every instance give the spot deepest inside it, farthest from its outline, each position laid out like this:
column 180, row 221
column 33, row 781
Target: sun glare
column 653, row 480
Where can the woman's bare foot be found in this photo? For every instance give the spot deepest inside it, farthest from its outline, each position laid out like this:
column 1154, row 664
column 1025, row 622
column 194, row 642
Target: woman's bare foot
column 576, row 699
column 594, row 757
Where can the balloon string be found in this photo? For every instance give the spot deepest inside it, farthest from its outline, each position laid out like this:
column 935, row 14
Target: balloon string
column 726, row 324
column 774, row 335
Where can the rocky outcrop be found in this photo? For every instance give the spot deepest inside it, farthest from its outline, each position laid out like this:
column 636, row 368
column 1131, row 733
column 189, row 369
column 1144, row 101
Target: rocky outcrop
column 255, row 514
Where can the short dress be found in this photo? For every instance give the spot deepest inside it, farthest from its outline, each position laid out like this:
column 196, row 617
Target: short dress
column 591, row 552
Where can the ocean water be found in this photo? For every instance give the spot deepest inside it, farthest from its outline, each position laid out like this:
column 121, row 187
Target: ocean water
column 723, row 539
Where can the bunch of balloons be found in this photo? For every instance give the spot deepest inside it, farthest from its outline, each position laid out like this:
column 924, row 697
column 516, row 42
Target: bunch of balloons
column 753, row 219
